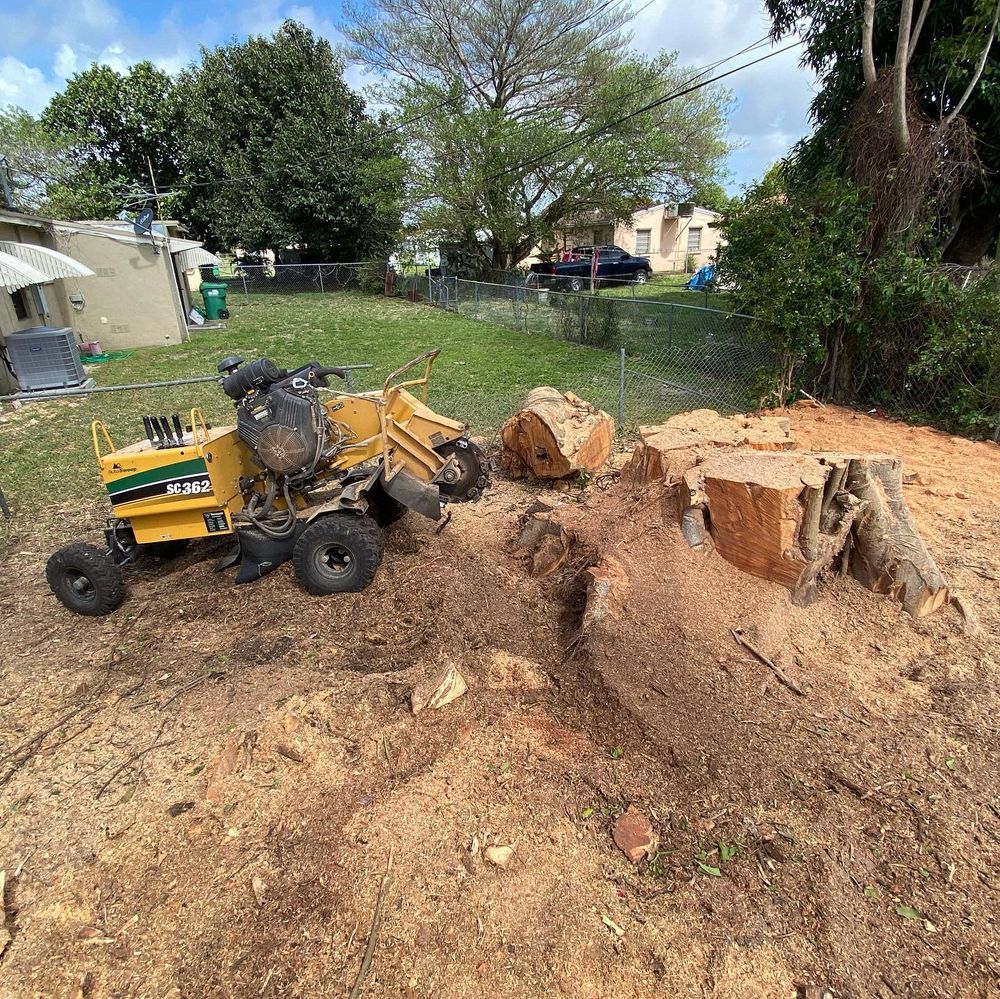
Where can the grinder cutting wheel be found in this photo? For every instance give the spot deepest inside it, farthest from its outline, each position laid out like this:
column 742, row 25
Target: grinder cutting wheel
column 297, row 478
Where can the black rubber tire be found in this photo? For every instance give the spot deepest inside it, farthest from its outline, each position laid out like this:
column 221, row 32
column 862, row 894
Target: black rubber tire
column 384, row 509
column 166, row 549
column 576, row 284
column 474, row 477
column 355, row 544
column 641, row 276
column 85, row 580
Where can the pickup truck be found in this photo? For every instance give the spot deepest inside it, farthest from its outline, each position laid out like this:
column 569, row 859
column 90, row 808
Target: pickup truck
column 614, row 265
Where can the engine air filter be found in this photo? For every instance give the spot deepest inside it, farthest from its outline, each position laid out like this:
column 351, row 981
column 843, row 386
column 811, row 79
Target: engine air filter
column 283, row 449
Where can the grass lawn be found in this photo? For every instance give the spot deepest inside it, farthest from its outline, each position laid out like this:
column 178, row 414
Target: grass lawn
column 481, row 376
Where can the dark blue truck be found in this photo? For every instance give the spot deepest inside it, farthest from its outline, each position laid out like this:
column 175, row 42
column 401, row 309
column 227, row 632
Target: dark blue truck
column 614, row 265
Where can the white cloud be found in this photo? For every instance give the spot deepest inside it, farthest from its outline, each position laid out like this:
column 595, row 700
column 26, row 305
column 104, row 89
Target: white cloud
column 22, row 85
column 65, row 63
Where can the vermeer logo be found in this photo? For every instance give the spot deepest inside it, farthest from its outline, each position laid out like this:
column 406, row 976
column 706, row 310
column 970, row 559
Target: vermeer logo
column 116, row 468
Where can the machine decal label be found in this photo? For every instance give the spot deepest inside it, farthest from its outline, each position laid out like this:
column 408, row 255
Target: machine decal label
column 216, row 521
column 182, row 478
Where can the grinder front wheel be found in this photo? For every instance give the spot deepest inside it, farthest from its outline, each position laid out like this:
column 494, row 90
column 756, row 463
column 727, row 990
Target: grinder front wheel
column 85, row 580
column 338, row 553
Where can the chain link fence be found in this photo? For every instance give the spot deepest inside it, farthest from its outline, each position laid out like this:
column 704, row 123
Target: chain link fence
column 290, row 279
column 655, row 358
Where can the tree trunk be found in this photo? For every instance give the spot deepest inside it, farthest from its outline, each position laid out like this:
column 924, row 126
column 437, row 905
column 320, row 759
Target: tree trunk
column 889, row 555
column 555, row 435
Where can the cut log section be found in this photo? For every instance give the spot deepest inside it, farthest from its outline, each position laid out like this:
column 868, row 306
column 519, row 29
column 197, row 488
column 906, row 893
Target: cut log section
column 556, row 435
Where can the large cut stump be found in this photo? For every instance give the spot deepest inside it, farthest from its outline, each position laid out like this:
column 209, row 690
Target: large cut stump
column 556, row 435
column 667, row 450
column 789, row 517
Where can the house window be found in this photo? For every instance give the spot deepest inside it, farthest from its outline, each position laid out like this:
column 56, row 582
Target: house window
column 642, row 241
column 694, row 240
column 20, row 306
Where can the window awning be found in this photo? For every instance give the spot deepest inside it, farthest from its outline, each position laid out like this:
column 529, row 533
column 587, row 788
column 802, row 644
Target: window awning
column 191, row 254
column 53, row 264
column 15, row 273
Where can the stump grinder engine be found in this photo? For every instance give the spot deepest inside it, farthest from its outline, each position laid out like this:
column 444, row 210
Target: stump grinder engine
column 298, row 477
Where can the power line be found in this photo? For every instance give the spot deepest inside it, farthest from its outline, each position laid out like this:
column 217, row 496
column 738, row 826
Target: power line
column 652, row 105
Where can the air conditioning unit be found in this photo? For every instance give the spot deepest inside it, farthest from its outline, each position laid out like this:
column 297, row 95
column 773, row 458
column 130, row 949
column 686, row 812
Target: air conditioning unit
column 44, row 357
column 686, row 209
column 670, row 211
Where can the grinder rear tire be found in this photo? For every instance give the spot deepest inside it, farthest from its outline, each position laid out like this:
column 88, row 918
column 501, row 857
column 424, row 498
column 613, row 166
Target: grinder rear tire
column 338, row 553
column 85, row 580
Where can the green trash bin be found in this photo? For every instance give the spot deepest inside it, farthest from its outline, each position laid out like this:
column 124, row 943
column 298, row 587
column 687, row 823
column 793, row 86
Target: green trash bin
column 214, row 293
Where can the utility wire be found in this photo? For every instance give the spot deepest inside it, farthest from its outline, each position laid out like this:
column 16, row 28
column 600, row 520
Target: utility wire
column 652, row 105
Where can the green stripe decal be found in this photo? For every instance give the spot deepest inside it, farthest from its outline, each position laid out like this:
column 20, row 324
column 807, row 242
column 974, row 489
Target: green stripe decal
column 196, row 466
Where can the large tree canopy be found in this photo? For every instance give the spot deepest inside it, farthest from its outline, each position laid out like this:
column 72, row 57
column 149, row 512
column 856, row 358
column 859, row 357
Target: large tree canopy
column 36, row 160
column 945, row 59
column 501, row 103
column 278, row 151
column 118, row 127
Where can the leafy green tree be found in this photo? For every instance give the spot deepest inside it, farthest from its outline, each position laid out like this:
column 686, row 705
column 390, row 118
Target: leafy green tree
column 796, row 261
column 500, row 101
column 929, row 62
column 37, row 161
column 278, row 151
column 118, row 128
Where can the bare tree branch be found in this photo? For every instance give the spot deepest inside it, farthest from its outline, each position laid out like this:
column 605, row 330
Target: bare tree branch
column 867, row 35
column 957, row 110
column 901, row 127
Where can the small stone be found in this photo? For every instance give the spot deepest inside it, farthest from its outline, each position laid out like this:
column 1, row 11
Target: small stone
column 438, row 688
column 259, row 888
column 962, row 496
column 289, row 752
column 499, row 856
column 634, row 835
column 179, row 808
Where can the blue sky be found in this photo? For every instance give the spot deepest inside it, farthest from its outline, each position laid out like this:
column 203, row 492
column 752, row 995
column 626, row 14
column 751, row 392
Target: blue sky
column 44, row 42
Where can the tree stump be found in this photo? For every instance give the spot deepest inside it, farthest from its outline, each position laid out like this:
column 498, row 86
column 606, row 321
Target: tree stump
column 556, row 435
column 790, row 517
column 667, row 450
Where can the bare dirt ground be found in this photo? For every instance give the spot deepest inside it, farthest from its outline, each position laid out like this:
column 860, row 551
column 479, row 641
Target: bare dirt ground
column 199, row 794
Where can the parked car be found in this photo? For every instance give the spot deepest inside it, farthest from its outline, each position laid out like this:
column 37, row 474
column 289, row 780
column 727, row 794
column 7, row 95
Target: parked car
column 572, row 271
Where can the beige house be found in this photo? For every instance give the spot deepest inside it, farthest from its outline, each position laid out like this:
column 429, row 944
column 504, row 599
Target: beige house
column 668, row 234
column 126, row 290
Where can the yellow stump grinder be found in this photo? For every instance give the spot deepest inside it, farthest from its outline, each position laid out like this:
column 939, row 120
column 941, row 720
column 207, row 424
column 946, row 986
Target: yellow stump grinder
column 298, row 477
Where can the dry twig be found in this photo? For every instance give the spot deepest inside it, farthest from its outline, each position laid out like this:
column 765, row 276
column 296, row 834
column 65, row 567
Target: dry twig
column 741, row 639
column 373, row 932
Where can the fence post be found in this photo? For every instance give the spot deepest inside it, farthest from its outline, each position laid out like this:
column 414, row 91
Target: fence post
column 319, row 270
column 245, row 292
column 670, row 327
column 458, row 308
column 476, row 286
column 621, row 387
column 430, row 287
column 583, row 322
column 706, row 296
